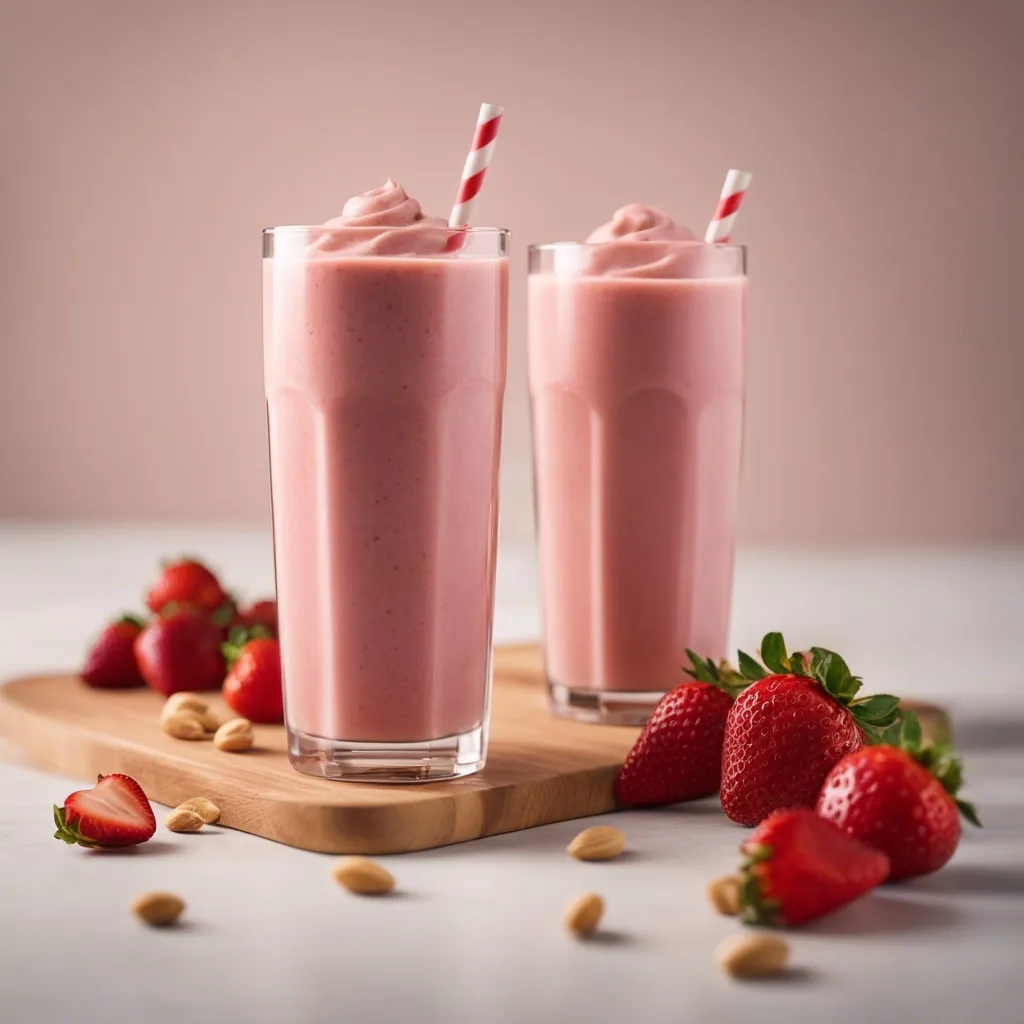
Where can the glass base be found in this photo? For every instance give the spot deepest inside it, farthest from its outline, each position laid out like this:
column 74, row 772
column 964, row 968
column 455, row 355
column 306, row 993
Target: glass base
column 450, row 757
column 603, row 707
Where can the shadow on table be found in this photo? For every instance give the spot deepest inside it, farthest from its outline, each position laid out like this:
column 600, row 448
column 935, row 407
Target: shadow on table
column 975, row 879
column 882, row 913
column 154, row 848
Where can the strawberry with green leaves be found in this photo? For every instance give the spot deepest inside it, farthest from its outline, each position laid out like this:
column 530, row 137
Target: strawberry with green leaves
column 110, row 662
column 678, row 754
column 186, row 583
column 790, row 726
column 180, row 650
column 252, row 688
column 901, row 798
column 797, row 867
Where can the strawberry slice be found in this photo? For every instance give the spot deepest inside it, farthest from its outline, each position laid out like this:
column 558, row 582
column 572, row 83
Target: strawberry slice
column 115, row 812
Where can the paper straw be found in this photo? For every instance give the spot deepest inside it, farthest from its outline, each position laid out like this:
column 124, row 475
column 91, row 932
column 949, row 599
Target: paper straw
column 733, row 191
column 480, row 154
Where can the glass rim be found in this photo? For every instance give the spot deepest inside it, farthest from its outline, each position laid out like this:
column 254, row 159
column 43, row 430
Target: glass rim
column 306, row 228
column 554, row 246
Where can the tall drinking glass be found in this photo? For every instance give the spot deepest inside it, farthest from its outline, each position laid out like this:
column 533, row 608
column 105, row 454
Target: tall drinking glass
column 384, row 380
column 636, row 355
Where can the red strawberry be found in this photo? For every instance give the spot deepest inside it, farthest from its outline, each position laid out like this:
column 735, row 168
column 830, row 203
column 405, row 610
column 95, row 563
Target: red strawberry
column 186, row 583
column 253, row 686
column 115, row 812
column 798, row 866
column 900, row 801
column 678, row 754
column 260, row 613
column 110, row 663
column 786, row 731
column 180, row 652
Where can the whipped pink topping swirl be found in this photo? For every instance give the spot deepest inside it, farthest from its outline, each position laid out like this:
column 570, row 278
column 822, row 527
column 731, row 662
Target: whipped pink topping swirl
column 385, row 221
column 640, row 241
column 639, row 223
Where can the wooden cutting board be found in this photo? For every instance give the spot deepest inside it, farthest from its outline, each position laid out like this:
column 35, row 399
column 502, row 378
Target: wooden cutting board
column 540, row 769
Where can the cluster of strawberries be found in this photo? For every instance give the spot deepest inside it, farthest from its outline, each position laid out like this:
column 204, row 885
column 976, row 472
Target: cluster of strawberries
column 843, row 791
column 197, row 638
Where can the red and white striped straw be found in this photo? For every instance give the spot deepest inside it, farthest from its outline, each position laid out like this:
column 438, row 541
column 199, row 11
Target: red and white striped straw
column 480, row 154
column 733, row 191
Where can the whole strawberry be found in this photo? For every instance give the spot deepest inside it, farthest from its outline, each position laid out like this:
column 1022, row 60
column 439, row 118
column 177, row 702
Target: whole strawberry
column 798, row 867
column 253, row 686
column 260, row 613
column 901, row 800
column 180, row 652
column 186, row 583
column 110, row 663
column 678, row 754
column 787, row 729
column 115, row 812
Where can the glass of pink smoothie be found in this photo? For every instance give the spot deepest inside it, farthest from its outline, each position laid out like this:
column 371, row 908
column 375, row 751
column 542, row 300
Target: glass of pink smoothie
column 636, row 364
column 384, row 366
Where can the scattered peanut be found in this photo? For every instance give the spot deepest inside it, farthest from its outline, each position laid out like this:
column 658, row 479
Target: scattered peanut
column 724, row 895
column 183, row 819
column 235, row 736
column 159, row 909
column 206, row 809
column 361, row 875
column 210, row 720
column 602, row 842
column 183, row 725
column 183, row 701
column 583, row 914
column 752, row 956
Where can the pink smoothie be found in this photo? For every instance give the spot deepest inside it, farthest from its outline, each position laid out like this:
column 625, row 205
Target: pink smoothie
column 384, row 370
column 636, row 346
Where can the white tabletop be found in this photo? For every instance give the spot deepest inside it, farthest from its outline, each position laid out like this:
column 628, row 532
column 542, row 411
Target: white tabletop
column 474, row 933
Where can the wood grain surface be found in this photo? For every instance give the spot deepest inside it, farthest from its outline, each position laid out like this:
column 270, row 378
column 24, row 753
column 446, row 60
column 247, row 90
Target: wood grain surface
column 540, row 769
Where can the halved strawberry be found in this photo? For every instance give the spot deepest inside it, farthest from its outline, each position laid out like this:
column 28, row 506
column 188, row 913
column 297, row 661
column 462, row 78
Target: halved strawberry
column 115, row 812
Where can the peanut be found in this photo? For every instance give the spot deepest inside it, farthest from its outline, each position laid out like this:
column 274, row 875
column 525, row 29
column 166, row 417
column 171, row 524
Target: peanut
column 183, row 725
column 361, row 875
column 210, row 720
column 159, row 909
column 724, row 895
column 206, row 809
column 752, row 956
column 183, row 701
column 183, row 819
column 602, row 842
column 235, row 736
column 583, row 914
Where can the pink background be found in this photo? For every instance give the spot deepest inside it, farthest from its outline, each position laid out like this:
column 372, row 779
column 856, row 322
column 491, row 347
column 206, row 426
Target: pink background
column 143, row 145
